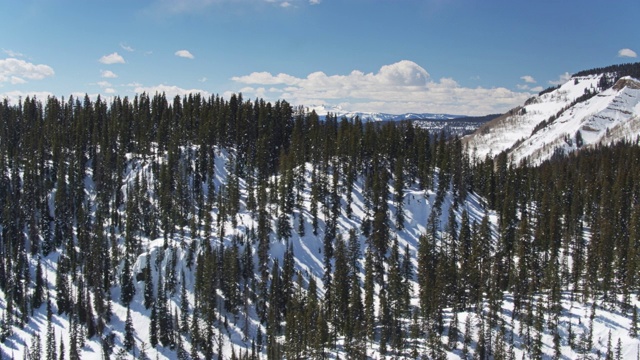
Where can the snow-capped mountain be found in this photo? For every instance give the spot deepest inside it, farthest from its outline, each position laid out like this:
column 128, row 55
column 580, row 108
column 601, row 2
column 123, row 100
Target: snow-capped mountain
column 339, row 112
column 577, row 114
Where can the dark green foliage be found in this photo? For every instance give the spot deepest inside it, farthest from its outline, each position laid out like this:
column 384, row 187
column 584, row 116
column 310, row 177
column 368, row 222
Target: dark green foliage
column 129, row 340
column 617, row 71
column 128, row 289
column 48, row 152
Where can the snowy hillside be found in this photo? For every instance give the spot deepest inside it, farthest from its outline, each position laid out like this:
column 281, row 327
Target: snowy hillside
column 583, row 322
column 576, row 114
column 207, row 228
column 307, row 251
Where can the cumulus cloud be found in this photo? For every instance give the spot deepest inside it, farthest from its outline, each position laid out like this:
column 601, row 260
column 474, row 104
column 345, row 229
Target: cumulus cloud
column 563, row 78
column 396, row 88
column 314, row 2
column 528, row 79
column 627, row 53
column 285, row 4
column 184, row 54
column 16, row 71
column 170, row 91
column 108, row 74
column 114, row 58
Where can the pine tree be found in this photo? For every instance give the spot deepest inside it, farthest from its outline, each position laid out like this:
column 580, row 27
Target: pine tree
column 184, row 307
column 153, row 326
column 369, row 297
column 633, row 329
column 466, row 339
column 35, row 350
column 62, row 287
column 128, row 289
column 454, row 332
column 129, row 340
column 51, row 336
column 148, row 283
column 398, row 186
column 38, row 292
column 340, row 288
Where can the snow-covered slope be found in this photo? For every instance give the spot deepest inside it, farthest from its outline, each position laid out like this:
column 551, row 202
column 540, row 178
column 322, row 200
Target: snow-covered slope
column 237, row 335
column 562, row 121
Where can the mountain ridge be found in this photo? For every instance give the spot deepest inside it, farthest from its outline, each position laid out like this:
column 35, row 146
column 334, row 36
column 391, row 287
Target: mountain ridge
column 337, row 111
column 562, row 120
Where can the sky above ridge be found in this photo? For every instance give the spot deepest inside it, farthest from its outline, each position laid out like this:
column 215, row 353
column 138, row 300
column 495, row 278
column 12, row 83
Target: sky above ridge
column 466, row 57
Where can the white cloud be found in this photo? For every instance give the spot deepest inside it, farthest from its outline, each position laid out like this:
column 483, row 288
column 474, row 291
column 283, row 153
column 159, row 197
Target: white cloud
column 537, row 89
column 528, row 79
column 114, row 58
column 314, row 2
column 12, row 53
column 104, row 84
column 202, row 79
column 396, row 88
column 627, row 53
column 17, row 80
column 170, row 91
column 266, row 78
column 108, row 74
column 285, row 4
column 15, row 96
column 184, row 54
column 110, row 90
column 126, row 47
column 561, row 79
column 16, row 70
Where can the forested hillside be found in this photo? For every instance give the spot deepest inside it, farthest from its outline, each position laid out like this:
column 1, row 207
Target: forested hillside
column 200, row 227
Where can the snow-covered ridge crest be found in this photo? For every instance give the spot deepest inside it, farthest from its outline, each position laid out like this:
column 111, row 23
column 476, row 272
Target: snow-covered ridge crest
column 576, row 115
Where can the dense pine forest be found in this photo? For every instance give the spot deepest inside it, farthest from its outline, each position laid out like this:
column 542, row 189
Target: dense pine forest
column 182, row 211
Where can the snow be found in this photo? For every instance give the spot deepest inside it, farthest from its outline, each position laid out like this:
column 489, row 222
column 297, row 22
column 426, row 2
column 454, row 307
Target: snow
column 594, row 118
column 322, row 111
column 609, row 116
column 307, row 253
column 612, row 114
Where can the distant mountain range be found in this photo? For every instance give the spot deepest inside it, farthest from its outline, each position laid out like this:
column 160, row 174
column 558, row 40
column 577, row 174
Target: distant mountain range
column 322, row 112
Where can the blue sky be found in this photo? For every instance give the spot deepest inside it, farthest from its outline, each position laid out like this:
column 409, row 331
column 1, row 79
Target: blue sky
column 441, row 56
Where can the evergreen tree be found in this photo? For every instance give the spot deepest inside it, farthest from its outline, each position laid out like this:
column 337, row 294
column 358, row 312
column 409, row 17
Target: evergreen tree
column 129, row 340
column 148, row 283
column 38, row 292
column 633, row 329
column 128, row 289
